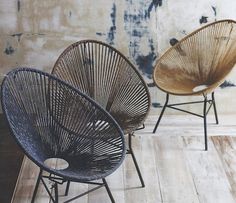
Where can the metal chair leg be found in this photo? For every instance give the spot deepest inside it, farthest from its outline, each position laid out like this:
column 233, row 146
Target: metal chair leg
column 56, row 193
column 67, row 188
column 36, row 186
column 205, row 122
column 108, row 190
column 214, row 105
column 162, row 112
column 135, row 161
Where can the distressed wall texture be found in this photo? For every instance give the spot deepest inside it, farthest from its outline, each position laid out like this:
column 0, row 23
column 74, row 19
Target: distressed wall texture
column 33, row 33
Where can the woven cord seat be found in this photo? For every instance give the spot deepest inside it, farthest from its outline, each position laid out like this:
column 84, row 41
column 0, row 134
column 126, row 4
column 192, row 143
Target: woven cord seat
column 197, row 65
column 51, row 119
column 106, row 75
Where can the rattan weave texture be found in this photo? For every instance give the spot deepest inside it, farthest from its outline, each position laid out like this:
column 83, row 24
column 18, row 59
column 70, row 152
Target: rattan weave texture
column 106, row 75
column 51, row 119
column 202, row 59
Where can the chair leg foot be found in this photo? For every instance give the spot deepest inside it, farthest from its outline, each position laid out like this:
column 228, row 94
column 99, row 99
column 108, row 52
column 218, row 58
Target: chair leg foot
column 56, row 193
column 162, row 112
column 108, row 190
column 36, row 186
column 205, row 123
column 135, row 161
column 214, row 106
column 67, row 188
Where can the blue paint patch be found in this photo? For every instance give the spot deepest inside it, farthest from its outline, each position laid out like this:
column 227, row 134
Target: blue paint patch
column 18, row 35
column 100, row 34
column 137, row 27
column 214, row 9
column 156, row 105
column 151, row 84
column 227, row 84
column 112, row 31
column 173, row 41
column 154, row 4
column 9, row 50
column 145, row 63
column 136, row 33
column 203, row 19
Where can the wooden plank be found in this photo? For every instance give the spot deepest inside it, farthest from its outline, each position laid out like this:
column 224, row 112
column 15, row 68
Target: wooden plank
column 226, row 148
column 133, row 190
column 176, row 182
column 149, row 170
column 208, row 173
column 26, row 184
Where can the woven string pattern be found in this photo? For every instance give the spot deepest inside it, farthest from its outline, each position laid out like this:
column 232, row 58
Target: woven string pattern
column 51, row 119
column 107, row 76
column 203, row 58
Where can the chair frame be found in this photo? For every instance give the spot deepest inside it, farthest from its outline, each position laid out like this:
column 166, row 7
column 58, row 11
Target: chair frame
column 206, row 109
column 129, row 132
column 55, row 178
column 203, row 92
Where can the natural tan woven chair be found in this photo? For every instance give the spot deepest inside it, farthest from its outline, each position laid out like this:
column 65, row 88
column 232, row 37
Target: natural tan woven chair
column 196, row 65
column 107, row 76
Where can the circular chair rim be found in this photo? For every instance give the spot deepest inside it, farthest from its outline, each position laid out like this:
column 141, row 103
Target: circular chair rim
column 41, row 164
column 200, row 92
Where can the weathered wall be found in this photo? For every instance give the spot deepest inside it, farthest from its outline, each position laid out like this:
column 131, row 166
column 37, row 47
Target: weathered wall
column 34, row 33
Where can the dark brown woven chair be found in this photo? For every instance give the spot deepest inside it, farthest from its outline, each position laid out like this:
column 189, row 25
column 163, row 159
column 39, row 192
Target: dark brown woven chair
column 106, row 75
column 51, row 119
column 196, row 65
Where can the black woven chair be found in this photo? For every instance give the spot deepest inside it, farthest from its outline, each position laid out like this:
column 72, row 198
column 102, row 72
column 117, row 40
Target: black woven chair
column 106, row 75
column 50, row 119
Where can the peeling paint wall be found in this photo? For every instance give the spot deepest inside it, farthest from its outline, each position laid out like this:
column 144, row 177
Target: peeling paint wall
column 34, row 33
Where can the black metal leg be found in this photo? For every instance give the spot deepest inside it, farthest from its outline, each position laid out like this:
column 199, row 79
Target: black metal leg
column 205, row 122
column 214, row 105
column 67, row 188
column 135, row 161
column 162, row 111
column 108, row 190
column 36, row 186
column 56, row 192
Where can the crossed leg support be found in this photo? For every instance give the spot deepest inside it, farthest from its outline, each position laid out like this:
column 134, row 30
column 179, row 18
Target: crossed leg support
column 55, row 198
column 204, row 116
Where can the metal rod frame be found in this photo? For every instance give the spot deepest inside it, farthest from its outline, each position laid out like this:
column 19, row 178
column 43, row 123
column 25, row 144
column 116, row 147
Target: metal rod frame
column 206, row 101
column 55, row 198
column 130, row 151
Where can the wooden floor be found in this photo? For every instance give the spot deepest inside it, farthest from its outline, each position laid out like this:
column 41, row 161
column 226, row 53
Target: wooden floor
column 173, row 164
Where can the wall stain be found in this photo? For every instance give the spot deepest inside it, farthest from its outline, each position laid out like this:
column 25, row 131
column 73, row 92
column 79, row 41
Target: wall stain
column 18, row 5
column 112, row 31
column 18, row 35
column 173, row 41
column 100, row 33
column 145, row 62
column 9, row 50
column 227, row 84
column 154, row 4
column 137, row 27
column 214, row 9
column 203, row 19
column 156, row 105
column 152, row 84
